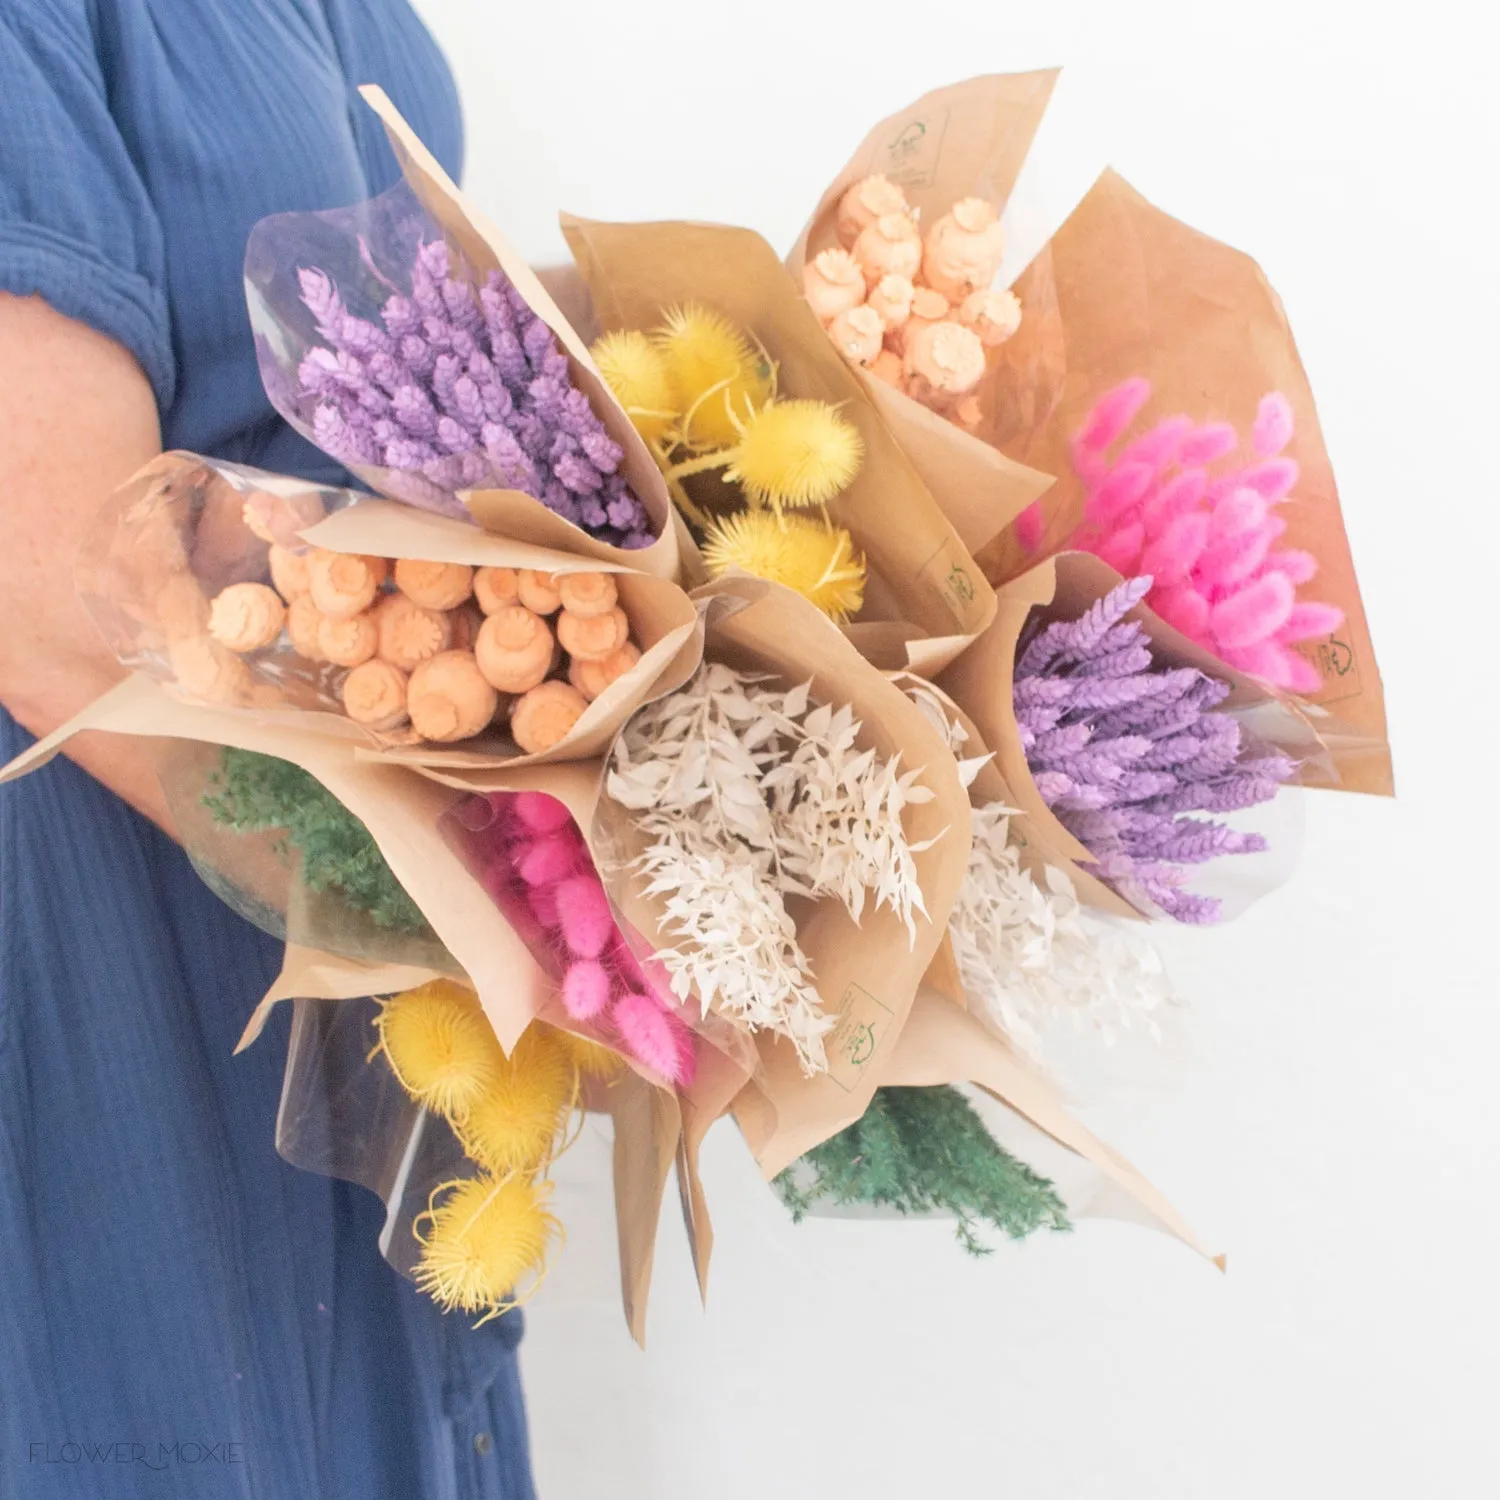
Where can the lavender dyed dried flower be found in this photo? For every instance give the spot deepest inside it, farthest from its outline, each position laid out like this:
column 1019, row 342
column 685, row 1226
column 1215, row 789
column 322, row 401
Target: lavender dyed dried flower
column 463, row 389
column 1120, row 750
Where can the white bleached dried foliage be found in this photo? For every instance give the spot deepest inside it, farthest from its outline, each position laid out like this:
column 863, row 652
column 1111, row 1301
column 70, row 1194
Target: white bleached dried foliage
column 748, row 795
column 1026, row 955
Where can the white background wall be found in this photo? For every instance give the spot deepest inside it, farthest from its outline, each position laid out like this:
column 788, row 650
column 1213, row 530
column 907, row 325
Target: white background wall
column 1329, row 1112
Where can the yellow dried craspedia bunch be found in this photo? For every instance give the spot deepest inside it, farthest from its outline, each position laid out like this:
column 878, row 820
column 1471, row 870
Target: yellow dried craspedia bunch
column 793, row 454
column 512, row 1126
column 718, row 377
column 637, row 371
column 482, row 1241
column 812, row 558
column 440, row 1046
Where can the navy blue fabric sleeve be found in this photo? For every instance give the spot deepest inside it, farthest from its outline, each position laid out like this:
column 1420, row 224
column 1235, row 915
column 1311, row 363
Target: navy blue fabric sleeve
column 76, row 225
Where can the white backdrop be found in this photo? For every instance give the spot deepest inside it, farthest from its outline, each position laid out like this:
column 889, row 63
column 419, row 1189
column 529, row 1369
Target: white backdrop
column 1328, row 1113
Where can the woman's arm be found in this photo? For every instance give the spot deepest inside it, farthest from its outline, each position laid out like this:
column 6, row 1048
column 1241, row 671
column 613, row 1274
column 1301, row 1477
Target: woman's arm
column 77, row 418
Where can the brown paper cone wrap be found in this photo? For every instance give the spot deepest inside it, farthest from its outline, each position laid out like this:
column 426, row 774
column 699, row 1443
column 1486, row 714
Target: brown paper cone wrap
column 401, row 810
column 1141, row 294
column 648, row 1129
column 172, row 537
column 509, row 512
column 636, row 271
column 966, row 141
column 867, row 973
column 942, row 1044
column 981, row 682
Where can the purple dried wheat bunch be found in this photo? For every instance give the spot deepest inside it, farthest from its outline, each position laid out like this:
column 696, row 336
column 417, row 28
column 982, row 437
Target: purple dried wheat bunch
column 1121, row 749
column 462, row 389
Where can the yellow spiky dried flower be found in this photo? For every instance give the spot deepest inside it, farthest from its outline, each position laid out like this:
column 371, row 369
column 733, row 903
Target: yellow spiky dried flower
column 718, row 376
column 636, row 370
column 512, row 1126
column 440, row 1046
column 792, row 454
column 815, row 560
column 482, row 1241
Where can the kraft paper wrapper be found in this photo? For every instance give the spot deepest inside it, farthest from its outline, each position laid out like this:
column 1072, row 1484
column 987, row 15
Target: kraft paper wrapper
column 1142, row 294
column 173, row 533
column 648, row 1127
column 310, row 974
column 967, row 140
column 486, row 248
column 636, row 271
column 981, row 681
column 718, row 1080
column 400, row 809
column 942, row 1044
column 869, row 972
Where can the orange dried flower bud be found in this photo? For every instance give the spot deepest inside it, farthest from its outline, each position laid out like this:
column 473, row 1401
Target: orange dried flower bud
column 858, row 334
column 434, row 585
column 832, row 283
column 303, row 621
column 514, row 649
column 586, row 594
column 943, row 361
column 448, row 698
column 349, row 641
column 375, row 695
column 891, row 297
column 888, row 247
column 869, row 199
column 538, row 591
column 409, row 634
column 494, row 588
column 592, row 677
column 592, row 637
column 344, row 583
column 545, row 716
column 246, row 616
column 289, row 572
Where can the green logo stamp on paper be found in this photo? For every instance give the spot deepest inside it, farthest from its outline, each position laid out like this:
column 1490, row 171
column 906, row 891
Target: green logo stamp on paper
column 910, row 155
column 863, row 1024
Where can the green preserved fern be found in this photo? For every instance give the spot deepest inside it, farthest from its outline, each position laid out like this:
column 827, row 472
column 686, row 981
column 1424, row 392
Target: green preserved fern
column 251, row 793
column 920, row 1150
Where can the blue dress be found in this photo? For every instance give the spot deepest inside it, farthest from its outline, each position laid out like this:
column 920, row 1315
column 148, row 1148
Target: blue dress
column 182, row 1314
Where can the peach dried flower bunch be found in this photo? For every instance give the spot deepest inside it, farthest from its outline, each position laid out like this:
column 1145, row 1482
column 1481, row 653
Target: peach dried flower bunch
column 917, row 310
column 702, row 394
column 441, row 649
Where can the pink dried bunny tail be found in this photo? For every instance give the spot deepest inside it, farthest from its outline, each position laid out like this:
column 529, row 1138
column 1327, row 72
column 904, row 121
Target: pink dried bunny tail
column 549, row 859
column 540, row 813
column 1113, row 412
column 1029, row 526
column 1254, row 613
column 585, row 990
column 583, row 914
column 1208, row 539
column 653, row 1036
column 1273, row 425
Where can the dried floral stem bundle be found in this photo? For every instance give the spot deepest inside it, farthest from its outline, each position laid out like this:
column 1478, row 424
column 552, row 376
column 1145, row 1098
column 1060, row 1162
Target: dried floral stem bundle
column 702, row 394
column 1030, row 954
column 1208, row 538
column 748, row 795
column 1120, row 748
column 926, row 1150
column 463, row 388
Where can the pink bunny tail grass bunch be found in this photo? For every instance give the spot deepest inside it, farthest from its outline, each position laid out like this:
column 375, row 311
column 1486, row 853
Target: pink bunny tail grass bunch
column 1120, row 749
column 1165, row 506
column 462, row 388
column 536, row 867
